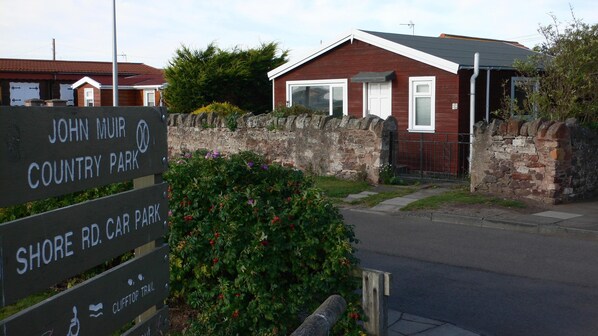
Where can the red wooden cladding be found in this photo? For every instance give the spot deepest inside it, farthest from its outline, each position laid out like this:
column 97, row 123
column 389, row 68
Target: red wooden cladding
column 349, row 59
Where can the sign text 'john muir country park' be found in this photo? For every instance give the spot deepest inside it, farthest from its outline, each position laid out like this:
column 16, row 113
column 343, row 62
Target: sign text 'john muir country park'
column 52, row 151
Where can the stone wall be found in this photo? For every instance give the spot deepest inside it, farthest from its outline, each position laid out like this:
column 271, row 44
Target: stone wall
column 347, row 147
column 552, row 162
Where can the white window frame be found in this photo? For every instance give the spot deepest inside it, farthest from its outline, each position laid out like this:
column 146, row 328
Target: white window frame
column 85, row 94
column 413, row 95
column 145, row 94
column 321, row 82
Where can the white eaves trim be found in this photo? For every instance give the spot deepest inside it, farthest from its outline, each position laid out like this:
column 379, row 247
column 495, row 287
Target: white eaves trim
column 85, row 80
column 379, row 42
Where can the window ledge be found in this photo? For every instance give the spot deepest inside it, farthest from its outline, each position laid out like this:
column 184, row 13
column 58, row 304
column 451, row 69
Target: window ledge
column 415, row 130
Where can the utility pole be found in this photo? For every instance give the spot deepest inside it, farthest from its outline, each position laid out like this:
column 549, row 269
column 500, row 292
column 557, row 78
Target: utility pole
column 114, row 58
column 53, row 49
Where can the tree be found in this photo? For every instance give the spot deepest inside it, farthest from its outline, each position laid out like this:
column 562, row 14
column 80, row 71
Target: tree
column 199, row 77
column 567, row 71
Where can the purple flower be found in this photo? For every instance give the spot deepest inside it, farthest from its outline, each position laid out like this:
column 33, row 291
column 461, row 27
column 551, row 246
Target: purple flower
column 251, row 202
column 250, row 164
column 215, row 154
column 265, row 167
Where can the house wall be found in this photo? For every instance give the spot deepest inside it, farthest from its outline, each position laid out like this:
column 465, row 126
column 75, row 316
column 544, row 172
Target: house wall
column 349, row 59
column 49, row 84
column 552, row 162
column 347, row 147
column 104, row 98
column 80, row 95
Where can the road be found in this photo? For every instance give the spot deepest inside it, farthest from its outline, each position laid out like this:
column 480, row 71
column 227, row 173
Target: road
column 493, row 282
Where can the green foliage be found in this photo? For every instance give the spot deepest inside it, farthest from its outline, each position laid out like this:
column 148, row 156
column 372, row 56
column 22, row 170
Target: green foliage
column 461, row 196
column 254, row 246
column 339, row 188
column 388, row 176
column 221, row 109
column 227, row 110
column 282, row 111
column 199, row 77
column 567, row 70
column 36, row 207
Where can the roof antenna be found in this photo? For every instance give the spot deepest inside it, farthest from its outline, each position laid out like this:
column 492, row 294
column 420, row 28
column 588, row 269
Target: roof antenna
column 410, row 25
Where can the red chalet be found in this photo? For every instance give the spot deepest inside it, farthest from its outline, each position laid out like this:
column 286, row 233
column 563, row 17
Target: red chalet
column 425, row 83
column 48, row 80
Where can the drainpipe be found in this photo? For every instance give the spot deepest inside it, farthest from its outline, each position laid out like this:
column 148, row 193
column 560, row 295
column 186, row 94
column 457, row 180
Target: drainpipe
column 476, row 71
column 488, row 95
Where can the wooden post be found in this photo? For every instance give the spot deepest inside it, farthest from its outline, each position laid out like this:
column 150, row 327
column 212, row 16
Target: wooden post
column 139, row 183
column 376, row 289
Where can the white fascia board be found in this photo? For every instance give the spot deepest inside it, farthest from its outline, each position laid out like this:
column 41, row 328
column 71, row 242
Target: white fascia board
column 306, row 58
column 149, row 86
column 86, row 80
column 402, row 50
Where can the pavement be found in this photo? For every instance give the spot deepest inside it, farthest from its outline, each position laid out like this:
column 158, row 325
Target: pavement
column 578, row 220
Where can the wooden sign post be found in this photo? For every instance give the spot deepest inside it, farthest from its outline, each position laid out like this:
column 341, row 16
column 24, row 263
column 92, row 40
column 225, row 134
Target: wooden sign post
column 47, row 152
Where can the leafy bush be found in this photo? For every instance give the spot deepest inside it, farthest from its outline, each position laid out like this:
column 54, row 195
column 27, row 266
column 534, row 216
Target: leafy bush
column 566, row 71
column 295, row 110
column 388, row 175
column 222, row 109
column 255, row 246
column 226, row 110
column 36, row 207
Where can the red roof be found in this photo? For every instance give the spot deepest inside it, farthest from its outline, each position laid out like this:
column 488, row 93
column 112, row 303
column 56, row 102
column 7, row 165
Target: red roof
column 74, row 67
column 137, row 80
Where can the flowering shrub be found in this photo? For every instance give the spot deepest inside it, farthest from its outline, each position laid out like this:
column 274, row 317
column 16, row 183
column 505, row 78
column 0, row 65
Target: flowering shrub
column 255, row 247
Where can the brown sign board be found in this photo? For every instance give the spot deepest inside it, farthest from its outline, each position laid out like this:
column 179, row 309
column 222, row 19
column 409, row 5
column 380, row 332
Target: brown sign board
column 47, row 152
column 100, row 305
column 157, row 325
column 41, row 250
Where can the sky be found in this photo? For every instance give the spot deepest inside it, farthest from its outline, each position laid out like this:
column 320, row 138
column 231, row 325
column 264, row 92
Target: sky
column 150, row 31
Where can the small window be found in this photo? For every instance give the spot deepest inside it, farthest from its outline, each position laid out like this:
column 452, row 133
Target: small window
column 88, row 97
column 521, row 87
column 149, row 98
column 422, row 104
column 329, row 96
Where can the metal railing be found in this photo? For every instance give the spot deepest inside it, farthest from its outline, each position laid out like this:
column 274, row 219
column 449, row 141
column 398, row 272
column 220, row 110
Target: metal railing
column 430, row 155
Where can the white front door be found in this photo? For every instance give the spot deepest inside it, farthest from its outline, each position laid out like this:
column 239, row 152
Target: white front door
column 379, row 99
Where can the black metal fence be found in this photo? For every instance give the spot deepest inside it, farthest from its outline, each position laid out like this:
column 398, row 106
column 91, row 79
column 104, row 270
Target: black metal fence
column 430, row 155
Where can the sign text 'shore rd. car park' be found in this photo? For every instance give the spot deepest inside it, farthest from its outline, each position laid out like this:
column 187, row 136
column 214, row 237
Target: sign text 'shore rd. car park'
column 47, row 152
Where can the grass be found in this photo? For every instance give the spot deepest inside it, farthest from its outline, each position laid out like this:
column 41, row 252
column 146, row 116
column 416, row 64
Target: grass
column 336, row 188
column 461, row 196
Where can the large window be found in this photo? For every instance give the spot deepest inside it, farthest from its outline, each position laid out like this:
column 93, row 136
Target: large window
column 422, row 102
column 328, row 96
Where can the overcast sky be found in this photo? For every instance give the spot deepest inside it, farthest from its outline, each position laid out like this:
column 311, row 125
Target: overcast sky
column 149, row 31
